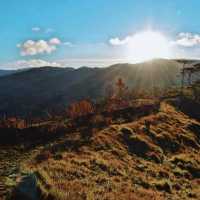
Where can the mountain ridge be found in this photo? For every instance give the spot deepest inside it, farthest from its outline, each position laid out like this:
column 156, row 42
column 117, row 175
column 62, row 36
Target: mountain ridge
column 40, row 89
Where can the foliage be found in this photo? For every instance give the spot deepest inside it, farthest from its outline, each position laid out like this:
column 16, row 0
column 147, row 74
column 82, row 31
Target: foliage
column 120, row 97
column 13, row 122
column 79, row 109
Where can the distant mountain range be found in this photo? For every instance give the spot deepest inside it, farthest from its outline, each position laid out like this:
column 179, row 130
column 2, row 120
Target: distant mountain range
column 4, row 72
column 34, row 91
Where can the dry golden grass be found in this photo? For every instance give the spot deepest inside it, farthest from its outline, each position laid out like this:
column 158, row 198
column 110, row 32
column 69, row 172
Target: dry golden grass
column 125, row 161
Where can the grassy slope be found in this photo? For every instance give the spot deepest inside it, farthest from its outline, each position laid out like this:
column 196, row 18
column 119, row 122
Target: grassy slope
column 125, row 161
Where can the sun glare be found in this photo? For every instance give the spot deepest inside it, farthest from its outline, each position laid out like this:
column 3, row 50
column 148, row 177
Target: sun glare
column 147, row 45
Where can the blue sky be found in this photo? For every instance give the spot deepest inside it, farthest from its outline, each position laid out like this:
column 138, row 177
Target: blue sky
column 78, row 32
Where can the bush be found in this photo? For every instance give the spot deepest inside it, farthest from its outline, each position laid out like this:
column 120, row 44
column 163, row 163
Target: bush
column 57, row 156
column 99, row 121
column 43, row 156
column 79, row 109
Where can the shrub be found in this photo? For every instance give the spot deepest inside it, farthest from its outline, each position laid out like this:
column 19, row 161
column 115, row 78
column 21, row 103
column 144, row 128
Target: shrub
column 13, row 122
column 57, row 156
column 99, row 121
column 43, row 156
column 79, row 109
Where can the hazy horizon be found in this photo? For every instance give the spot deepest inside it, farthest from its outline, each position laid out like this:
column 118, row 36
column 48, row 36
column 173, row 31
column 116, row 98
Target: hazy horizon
column 93, row 64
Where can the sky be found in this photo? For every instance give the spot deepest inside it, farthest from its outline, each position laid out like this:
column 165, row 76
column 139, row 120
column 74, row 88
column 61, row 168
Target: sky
column 96, row 32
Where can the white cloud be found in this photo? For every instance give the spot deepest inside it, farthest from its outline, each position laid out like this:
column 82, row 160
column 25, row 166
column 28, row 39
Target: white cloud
column 117, row 42
column 143, row 45
column 183, row 39
column 187, row 40
column 36, row 29
column 31, row 47
column 54, row 41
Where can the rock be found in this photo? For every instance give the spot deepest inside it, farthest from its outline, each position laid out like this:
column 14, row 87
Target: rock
column 26, row 189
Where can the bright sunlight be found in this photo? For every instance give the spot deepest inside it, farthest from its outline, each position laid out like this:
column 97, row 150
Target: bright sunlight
column 147, row 45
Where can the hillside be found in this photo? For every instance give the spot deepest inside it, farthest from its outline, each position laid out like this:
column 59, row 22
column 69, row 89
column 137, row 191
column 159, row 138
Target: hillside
column 5, row 72
column 36, row 91
column 123, row 160
column 8, row 72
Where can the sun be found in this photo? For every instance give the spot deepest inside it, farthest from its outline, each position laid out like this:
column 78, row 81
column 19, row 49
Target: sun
column 147, row 45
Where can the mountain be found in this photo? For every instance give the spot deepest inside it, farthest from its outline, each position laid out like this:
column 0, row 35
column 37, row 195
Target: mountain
column 34, row 91
column 6, row 72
